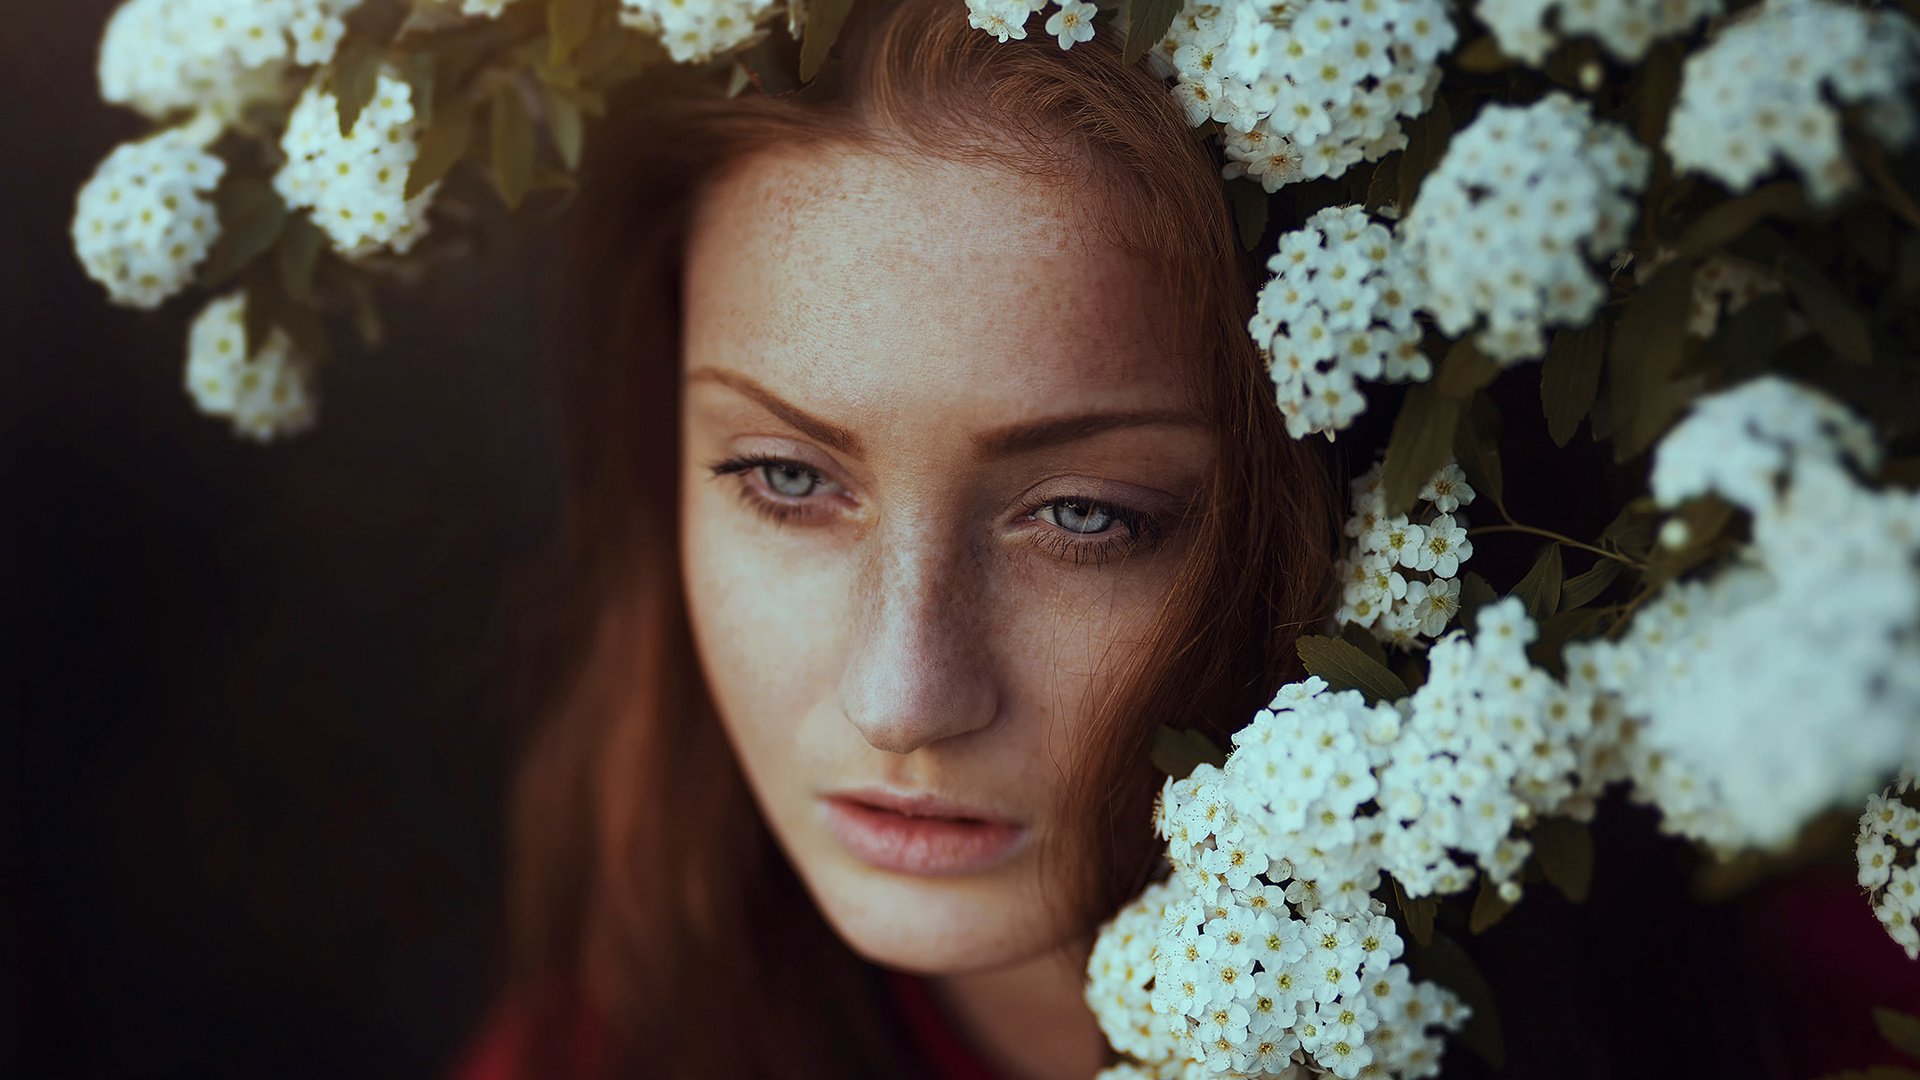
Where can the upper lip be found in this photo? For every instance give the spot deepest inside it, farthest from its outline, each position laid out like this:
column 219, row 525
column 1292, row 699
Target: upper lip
column 917, row 804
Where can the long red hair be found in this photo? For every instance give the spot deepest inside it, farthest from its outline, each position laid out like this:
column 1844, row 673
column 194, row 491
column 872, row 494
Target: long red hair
column 646, row 889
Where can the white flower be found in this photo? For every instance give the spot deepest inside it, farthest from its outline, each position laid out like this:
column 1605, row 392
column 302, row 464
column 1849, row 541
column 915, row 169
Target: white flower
column 1890, row 866
column 1382, row 589
column 1072, row 22
column 1788, row 680
column 694, row 31
column 355, row 187
column 1447, row 490
column 1759, row 94
column 146, row 219
column 1507, row 224
column 1304, row 90
column 268, row 395
column 1339, row 308
column 1625, row 27
column 166, row 56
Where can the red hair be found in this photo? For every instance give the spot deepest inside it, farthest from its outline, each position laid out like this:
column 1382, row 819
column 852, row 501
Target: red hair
column 643, row 877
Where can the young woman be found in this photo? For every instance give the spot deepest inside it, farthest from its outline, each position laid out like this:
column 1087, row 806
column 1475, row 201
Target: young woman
column 923, row 468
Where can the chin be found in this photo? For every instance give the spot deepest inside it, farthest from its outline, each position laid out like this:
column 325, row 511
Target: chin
column 936, row 925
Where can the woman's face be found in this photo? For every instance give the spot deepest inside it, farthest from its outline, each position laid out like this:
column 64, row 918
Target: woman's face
column 938, row 464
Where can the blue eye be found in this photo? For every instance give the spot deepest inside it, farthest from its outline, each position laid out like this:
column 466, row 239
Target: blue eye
column 1078, row 516
column 789, row 479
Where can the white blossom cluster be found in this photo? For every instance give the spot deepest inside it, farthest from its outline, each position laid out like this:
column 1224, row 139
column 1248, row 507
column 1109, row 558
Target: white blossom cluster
column 1070, row 23
column 695, row 31
column 267, row 395
column 1401, row 578
column 1271, row 952
column 1764, row 91
column 354, row 187
column 1338, row 309
column 1887, row 850
column 488, row 8
column 1787, row 682
column 146, row 219
column 1506, row 225
column 167, row 56
column 1624, row 27
column 1305, row 89
column 1246, row 977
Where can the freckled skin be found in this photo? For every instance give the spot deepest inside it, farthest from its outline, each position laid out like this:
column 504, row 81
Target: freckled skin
column 911, row 630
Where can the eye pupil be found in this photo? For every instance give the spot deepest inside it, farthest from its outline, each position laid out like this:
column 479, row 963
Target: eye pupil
column 789, row 480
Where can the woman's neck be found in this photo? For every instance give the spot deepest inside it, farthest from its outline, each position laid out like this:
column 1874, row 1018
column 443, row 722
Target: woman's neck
column 1029, row 1021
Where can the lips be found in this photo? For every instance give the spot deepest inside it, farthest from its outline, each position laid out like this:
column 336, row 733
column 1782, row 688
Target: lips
column 922, row 835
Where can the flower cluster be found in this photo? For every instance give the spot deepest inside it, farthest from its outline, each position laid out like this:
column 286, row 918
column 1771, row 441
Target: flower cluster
column 1722, row 285
column 1306, row 90
column 1271, row 949
column 1070, row 23
column 267, row 395
column 354, row 186
column 146, row 219
column 1759, row 93
column 1887, row 850
column 1338, row 309
column 1381, row 590
column 1500, row 226
column 1625, row 27
column 695, row 32
column 167, row 56
column 1743, row 731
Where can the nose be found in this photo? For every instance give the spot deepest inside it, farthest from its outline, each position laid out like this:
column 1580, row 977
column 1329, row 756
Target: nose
column 920, row 669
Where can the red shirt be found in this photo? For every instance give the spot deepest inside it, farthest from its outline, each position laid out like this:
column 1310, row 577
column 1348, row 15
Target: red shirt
column 501, row 1040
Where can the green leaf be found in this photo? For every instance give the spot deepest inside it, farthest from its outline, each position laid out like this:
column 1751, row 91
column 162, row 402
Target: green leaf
column 1147, row 22
column 1556, row 630
column 1580, row 590
column 1427, row 140
column 1445, row 962
column 1646, row 348
column 1361, row 638
column 1832, row 316
column 1421, row 442
column 1482, row 55
column 1899, row 1029
column 1488, row 908
column 251, row 217
column 1383, row 187
column 1745, row 342
column 1570, row 376
column 569, row 22
column 824, row 19
column 567, row 127
column 1249, row 201
column 513, row 144
column 354, row 76
column 1177, row 751
column 773, row 69
column 1540, row 589
column 1725, row 222
column 1475, row 594
column 1659, row 85
column 1476, row 446
column 1465, row 369
column 1632, row 529
column 1416, row 914
column 1345, row 666
column 1564, row 849
column 299, row 253
column 442, row 145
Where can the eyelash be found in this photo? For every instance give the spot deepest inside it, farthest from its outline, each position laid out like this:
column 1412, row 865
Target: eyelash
column 1142, row 531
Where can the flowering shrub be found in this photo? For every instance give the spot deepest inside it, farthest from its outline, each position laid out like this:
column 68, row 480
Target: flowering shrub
column 1695, row 215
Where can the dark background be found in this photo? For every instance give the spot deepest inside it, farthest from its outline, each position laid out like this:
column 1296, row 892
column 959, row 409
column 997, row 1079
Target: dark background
column 260, row 701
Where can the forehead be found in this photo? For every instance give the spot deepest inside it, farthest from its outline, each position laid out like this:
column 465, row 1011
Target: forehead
column 902, row 281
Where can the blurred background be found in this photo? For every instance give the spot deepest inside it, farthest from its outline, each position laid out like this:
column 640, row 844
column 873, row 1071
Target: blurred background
column 260, row 701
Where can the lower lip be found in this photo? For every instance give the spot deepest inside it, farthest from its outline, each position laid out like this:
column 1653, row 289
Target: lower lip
column 920, row 845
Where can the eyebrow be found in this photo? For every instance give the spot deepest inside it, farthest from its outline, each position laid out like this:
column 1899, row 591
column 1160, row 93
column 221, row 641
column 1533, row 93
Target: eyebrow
column 1012, row 439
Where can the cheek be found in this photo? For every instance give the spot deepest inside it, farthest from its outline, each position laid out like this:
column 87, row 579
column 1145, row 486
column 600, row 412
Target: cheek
column 761, row 618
